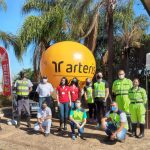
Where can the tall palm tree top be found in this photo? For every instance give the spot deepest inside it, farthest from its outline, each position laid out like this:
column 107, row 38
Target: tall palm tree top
column 3, row 5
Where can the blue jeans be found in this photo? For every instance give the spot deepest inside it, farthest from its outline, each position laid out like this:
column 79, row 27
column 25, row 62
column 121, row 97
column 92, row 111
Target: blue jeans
column 73, row 127
column 45, row 124
column 73, row 106
column 47, row 99
column 112, row 128
column 64, row 112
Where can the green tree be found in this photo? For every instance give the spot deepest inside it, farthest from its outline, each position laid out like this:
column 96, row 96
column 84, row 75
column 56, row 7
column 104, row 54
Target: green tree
column 83, row 19
column 29, row 74
column 9, row 39
column 130, row 30
column 3, row 5
column 42, row 29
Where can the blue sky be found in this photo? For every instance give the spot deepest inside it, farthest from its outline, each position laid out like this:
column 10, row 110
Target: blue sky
column 11, row 21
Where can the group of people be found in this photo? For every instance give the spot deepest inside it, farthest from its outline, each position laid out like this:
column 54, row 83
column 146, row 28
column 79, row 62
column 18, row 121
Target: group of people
column 126, row 111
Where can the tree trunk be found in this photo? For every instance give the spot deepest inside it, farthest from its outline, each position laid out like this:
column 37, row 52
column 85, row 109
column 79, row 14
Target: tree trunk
column 125, row 60
column 36, row 62
column 110, row 41
column 90, row 41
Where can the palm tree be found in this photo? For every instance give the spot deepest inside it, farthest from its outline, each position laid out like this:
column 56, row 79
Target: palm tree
column 41, row 30
column 84, row 20
column 130, row 31
column 9, row 39
column 3, row 5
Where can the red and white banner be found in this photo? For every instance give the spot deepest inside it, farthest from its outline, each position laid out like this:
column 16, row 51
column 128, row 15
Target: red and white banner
column 4, row 60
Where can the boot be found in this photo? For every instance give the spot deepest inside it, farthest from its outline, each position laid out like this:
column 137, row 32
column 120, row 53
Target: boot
column 129, row 123
column 134, row 126
column 18, row 122
column 28, row 122
column 141, row 135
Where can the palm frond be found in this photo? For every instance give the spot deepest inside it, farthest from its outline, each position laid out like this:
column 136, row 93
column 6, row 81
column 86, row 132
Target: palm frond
column 37, row 5
column 3, row 5
column 10, row 39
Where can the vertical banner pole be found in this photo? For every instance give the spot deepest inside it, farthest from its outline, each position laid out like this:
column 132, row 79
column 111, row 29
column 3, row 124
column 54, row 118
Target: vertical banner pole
column 147, row 124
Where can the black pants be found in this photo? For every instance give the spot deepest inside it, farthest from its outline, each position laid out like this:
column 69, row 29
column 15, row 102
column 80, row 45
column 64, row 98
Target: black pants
column 92, row 110
column 100, row 109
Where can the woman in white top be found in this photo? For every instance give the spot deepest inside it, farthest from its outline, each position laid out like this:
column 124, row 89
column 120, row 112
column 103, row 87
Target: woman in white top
column 44, row 90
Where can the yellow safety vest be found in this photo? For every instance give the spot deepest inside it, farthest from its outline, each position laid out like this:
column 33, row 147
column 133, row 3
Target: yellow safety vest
column 99, row 89
column 137, row 95
column 115, row 117
column 90, row 95
column 121, row 87
column 78, row 115
column 22, row 87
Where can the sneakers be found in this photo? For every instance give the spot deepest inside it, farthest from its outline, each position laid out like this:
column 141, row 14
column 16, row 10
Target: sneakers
column 98, row 126
column 81, row 136
column 46, row 134
column 73, row 137
column 17, row 125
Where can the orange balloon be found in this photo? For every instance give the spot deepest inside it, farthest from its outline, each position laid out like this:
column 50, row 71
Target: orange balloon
column 67, row 59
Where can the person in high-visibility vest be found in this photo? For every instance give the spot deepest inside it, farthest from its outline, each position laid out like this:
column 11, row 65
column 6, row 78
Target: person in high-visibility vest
column 120, row 89
column 101, row 92
column 138, row 99
column 77, row 120
column 23, row 87
column 115, row 123
column 88, row 94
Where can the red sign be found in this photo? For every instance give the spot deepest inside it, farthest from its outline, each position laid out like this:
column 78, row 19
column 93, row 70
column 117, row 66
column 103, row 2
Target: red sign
column 6, row 72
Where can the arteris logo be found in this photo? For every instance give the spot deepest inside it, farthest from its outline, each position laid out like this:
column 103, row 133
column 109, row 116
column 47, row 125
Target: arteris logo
column 73, row 68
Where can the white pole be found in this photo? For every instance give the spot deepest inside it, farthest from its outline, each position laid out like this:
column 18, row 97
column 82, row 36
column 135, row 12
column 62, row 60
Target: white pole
column 147, row 101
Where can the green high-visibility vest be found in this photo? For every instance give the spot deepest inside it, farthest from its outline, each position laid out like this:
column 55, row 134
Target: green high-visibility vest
column 89, row 93
column 99, row 89
column 137, row 95
column 78, row 115
column 122, row 86
column 22, row 88
column 115, row 117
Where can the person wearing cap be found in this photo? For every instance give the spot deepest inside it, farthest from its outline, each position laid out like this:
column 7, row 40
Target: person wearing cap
column 64, row 102
column 138, row 100
column 44, row 121
column 74, row 92
column 88, row 94
column 101, row 93
column 115, row 123
column 120, row 89
column 23, row 87
column 77, row 120
column 44, row 89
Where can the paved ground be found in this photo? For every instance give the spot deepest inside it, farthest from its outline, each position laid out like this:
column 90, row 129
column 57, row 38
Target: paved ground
column 25, row 139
